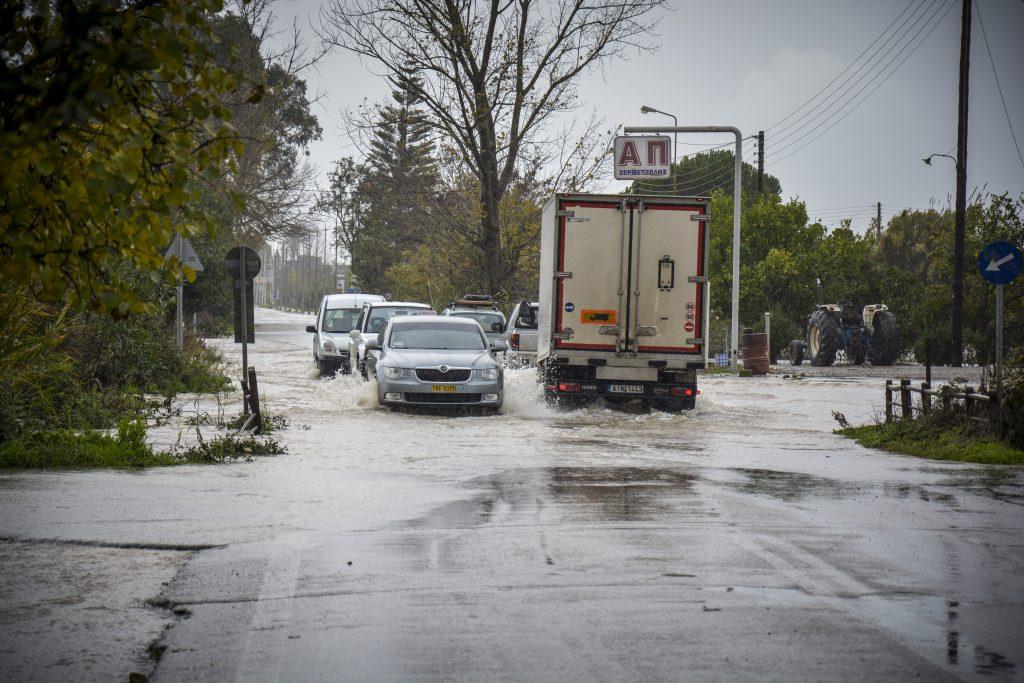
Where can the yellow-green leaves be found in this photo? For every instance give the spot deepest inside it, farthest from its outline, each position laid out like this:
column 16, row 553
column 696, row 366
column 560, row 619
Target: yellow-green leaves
column 105, row 122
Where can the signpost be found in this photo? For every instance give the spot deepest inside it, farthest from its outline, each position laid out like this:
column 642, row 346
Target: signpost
column 186, row 255
column 1000, row 263
column 244, row 264
column 644, row 156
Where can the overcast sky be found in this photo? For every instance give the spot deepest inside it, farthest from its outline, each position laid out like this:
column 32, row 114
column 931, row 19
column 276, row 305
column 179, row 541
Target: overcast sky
column 751, row 63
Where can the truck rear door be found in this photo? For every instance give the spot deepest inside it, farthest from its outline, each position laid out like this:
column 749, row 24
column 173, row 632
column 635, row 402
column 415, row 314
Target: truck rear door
column 667, row 280
column 630, row 275
column 591, row 273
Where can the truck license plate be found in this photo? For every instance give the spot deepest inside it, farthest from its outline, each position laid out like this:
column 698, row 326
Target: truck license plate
column 626, row 388
column 443, row 388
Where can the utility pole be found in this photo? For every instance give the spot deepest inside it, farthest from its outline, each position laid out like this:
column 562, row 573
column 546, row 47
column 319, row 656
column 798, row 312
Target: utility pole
column 879, row 217
column 957, row 350
column 760, row 162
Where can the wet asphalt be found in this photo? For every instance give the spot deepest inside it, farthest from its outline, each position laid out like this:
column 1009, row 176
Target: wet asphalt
column 742, row 540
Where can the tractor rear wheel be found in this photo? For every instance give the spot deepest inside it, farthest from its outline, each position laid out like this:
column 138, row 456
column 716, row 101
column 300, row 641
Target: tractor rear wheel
column 822, row 338
column 796, row 352
column 885, row 339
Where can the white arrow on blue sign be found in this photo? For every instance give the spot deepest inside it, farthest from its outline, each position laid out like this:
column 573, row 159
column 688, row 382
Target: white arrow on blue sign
column 1000, row 262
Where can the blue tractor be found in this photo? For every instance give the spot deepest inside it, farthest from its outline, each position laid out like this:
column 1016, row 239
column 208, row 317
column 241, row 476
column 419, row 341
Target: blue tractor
column 867, row 334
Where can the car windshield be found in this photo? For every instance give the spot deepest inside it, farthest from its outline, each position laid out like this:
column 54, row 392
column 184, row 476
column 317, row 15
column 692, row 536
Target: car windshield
column 379, row 317
column 485, row 318
column 436, row 335
column 340, row 319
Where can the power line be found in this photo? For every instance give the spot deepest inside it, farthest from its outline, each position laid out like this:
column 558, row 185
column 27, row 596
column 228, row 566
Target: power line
column 977, row 6
column 839, row 75
column 872, row 91
column 864, row 70
column 920, row 25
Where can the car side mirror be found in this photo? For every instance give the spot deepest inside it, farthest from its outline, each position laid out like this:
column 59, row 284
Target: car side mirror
column 372, row 346
column 311, row 329
column 499, row 346
column 354, row 334
column 497, row 327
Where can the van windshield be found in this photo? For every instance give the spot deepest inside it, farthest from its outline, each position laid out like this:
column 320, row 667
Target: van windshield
column 340, row 319
column 436, row 335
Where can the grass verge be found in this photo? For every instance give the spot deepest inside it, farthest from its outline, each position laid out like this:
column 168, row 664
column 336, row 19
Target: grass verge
column 128, row 449
column 926, row 441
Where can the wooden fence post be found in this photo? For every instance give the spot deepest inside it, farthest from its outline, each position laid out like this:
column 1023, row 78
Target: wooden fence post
column 968, row 390
column 926, row 398
column 995, row 422
column 905, row 405
column 888, row 400
column 254, row 400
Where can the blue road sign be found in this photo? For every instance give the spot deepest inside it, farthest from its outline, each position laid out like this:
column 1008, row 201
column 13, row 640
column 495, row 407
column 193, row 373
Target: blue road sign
column 1000, row 262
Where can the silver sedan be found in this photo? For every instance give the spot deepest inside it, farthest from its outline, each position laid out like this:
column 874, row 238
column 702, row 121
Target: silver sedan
column 432, row 360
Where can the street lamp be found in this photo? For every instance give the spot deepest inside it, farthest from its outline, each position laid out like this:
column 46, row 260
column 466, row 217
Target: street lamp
column 675, row 122
column 928, row 159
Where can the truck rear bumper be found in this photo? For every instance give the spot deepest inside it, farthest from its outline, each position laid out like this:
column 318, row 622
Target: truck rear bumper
column 620, row 389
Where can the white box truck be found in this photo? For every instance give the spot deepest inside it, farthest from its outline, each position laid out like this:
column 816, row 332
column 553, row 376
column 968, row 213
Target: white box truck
column 622, row 313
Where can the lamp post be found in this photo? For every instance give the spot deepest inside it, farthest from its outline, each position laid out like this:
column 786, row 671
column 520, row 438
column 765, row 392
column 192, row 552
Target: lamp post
column 675, row 123
column 928, row 159
column 956, row 336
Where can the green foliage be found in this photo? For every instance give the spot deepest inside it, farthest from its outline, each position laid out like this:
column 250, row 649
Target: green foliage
column 109, row 109
column 127, row 449
column 927, row 441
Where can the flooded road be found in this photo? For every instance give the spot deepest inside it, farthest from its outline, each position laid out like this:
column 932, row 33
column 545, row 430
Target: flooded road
column 740, row 540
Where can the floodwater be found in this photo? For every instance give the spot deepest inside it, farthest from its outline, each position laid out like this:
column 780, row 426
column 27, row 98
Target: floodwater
column 739, row 540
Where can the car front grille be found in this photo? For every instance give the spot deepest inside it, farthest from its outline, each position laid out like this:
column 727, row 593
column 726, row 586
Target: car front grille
column 422, row 397
column 435, row 375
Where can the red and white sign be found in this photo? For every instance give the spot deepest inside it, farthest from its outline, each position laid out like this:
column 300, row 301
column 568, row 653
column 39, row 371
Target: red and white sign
column 646, row 156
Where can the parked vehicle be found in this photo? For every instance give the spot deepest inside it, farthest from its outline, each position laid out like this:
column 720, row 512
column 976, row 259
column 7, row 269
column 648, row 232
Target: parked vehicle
column 434, row 360
column 621, row 312
column 521, row 335
column 372, row 320
column 479, row 307
column 334, row 320
column 867, row 334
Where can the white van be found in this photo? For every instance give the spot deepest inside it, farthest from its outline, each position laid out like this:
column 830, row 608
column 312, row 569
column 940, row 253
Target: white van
column 337, row 316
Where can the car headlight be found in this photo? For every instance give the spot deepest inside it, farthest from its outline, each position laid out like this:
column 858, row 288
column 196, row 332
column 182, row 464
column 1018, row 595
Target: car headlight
column 329, row 346
column 393, row 373
column 490, row 374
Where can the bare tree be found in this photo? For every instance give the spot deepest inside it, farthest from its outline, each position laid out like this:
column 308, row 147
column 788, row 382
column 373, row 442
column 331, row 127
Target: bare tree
column 494, row 74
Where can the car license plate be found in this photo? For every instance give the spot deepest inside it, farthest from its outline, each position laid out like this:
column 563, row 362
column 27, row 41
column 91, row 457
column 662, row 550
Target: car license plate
column 626, row 388
column 443, row 388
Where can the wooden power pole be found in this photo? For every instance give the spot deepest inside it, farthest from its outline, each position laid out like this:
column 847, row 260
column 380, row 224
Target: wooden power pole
column 760, row 162
column 878, row 228
column 957, row 338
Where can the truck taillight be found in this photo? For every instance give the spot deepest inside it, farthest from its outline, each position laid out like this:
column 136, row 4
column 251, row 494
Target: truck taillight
column 682, row 391
column 569, row 387
column 513, row 341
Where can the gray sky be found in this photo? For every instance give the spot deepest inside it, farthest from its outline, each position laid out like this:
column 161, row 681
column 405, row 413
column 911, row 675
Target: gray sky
column 750, row 63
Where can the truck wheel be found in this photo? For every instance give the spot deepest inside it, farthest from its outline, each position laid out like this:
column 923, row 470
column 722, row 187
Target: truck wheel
column 885, row 339
column 822, row 338
column 796, row 352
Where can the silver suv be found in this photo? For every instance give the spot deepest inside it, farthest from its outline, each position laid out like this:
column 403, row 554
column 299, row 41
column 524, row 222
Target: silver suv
column 481, row 308
column 371, row 322
column 521, row 335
